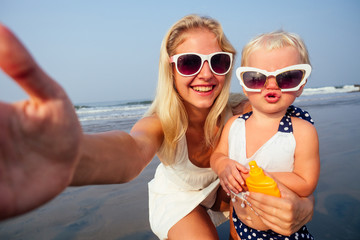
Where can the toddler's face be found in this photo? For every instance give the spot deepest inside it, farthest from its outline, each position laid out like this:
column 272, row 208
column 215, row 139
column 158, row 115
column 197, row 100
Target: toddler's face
column 271, row 99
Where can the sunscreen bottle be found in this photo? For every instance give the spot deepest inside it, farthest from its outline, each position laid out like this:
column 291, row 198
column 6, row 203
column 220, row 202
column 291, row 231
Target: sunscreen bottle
column 259, row 182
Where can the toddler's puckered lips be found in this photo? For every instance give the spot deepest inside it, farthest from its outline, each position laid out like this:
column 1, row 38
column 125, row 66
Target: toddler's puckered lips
column 272, row 97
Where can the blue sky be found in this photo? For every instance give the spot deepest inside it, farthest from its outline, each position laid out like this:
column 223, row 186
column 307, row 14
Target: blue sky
column 109, row 50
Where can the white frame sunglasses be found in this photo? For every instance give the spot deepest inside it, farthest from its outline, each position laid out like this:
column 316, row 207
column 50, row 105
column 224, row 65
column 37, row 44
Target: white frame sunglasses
column 203, row 57
column 305, row 68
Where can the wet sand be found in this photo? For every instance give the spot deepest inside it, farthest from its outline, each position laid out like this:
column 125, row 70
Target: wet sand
column 121, row 211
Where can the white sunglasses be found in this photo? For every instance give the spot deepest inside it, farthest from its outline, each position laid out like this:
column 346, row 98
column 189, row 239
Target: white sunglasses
column 190, row 64
column 288, row 79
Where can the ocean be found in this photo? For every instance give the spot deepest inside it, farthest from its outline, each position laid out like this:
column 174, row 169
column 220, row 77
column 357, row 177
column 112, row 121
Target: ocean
column 120, row 211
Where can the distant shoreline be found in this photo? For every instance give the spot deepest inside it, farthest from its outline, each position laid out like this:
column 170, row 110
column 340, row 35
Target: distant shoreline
column 307, row 91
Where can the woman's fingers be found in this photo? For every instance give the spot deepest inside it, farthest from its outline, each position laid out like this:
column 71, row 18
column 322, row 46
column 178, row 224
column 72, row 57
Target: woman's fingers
column 40, row 138
column 284, row 215
column 267, row 207
column 17, row 62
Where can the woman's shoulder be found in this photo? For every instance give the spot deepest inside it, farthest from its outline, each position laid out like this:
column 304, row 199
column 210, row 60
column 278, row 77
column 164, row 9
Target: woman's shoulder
column 150, row 124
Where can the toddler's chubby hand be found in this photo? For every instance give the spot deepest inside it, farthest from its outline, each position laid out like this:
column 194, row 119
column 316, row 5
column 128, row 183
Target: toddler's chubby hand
column 230, row 175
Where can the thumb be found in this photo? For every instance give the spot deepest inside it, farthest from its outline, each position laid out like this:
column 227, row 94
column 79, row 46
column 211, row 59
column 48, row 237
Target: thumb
column 18, row 63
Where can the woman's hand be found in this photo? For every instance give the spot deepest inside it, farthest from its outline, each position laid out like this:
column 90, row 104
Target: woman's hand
column 283, row 215
column 40, row 137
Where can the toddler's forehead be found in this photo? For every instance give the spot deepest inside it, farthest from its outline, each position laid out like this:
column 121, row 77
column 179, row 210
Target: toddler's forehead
column 273, row 59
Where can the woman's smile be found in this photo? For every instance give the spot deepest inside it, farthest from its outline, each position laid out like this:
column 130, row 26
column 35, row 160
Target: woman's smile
column 203, row 88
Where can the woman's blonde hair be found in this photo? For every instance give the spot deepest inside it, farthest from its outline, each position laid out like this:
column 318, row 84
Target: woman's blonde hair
column 168, row 105
column 275, row 40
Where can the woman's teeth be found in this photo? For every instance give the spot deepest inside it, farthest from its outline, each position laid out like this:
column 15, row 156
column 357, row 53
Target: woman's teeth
column 202, row 88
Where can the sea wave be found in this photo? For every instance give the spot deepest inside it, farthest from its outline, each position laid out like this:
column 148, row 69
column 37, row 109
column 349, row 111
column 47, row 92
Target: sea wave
column 115, row 104
column 109, row 117
column 110, row 111
column 106, row 109
column 331, row 89
column 88, row 113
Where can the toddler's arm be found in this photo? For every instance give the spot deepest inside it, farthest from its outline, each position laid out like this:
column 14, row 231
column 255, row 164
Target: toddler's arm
column 229, row 171
column 303, row 179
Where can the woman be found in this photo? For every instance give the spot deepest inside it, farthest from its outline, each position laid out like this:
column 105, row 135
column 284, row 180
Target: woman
column 43, row 148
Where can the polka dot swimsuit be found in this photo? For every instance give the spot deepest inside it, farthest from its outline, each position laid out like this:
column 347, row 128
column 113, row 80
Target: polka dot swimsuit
column 246, row 232
column 285, row 123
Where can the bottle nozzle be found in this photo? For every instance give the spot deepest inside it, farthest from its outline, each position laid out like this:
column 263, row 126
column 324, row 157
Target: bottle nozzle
column 259, row 182
column 255, row 170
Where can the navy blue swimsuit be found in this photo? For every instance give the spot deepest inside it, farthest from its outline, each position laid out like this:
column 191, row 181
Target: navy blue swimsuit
column 242, row 229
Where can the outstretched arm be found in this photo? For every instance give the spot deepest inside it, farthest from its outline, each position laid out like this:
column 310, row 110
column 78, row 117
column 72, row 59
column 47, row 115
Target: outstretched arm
column 116, row 156
column 40, row 137
column 42, row 147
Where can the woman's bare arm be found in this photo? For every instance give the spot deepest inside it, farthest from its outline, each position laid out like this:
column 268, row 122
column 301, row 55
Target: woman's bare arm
column 116, row 156
column 40, row 137
column 42, row 147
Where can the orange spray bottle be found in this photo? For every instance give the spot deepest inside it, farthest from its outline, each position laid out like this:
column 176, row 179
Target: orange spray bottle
column 259, row 182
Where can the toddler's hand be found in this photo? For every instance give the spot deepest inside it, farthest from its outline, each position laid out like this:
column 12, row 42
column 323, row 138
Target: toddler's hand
column 230, row 176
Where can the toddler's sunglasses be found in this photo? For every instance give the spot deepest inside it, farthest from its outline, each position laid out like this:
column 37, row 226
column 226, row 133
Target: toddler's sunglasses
column 288, row 79
column 190, row 64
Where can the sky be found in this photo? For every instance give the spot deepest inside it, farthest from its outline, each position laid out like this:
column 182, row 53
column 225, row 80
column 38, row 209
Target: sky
column 109, row 50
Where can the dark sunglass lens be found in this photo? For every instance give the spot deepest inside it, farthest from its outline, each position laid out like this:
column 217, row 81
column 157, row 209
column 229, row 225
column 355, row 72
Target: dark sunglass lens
column 289, row 79
column 188, row 64
column 254, row 80
column 220, row 63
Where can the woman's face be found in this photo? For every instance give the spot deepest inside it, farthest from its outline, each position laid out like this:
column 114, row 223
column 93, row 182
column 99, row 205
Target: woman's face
column 199, row 91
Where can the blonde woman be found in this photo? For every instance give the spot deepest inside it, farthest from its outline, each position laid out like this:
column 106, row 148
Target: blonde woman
column 41, row 155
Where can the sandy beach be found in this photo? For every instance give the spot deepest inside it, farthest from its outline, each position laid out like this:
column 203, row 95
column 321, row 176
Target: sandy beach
column 121, row 211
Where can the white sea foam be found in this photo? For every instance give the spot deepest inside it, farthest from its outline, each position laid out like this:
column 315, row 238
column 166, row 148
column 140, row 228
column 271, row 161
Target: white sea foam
column 118, row 111
column 104, row 112
column 331, row 89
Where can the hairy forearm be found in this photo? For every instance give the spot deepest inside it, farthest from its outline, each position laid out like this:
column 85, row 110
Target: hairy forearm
column 108, row 158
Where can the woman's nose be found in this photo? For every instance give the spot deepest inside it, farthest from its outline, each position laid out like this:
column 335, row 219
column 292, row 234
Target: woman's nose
column 205, row 71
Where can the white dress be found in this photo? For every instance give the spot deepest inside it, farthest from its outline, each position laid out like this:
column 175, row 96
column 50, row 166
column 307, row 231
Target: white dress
column 177, row 189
